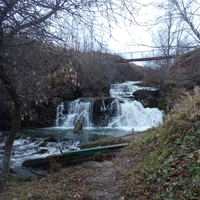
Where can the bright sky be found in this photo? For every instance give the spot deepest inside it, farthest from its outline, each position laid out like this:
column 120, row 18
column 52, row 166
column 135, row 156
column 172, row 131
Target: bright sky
column 122, row 39
column 125, row 36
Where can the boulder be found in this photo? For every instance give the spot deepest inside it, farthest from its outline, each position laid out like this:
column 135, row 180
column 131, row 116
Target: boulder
column 42, row 151
column 79, row 124
column 51, row 139
column 11, row 170
column 149, row 98
column 43, row 144
column 144, row 94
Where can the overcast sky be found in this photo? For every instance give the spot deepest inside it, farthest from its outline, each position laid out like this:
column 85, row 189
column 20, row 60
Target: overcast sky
column 123, row 39
column 124, row 36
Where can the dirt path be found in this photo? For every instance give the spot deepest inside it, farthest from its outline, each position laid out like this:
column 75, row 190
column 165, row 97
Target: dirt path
column 104, row 183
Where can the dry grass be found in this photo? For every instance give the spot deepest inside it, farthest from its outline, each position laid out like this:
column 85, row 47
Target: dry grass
column 188, row 106
column 65, row 184
column 186, row 64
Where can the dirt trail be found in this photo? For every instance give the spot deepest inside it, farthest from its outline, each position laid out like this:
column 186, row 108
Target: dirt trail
column 104, row 184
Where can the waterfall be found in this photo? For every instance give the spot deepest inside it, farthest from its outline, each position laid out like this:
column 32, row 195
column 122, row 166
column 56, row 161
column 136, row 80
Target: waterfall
column 125, row 90
column 130, row 114
column 123, row 112
column 60, row 117
column 76, row 109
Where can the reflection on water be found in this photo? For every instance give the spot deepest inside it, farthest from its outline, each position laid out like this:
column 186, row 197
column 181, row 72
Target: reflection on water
column 87, row 135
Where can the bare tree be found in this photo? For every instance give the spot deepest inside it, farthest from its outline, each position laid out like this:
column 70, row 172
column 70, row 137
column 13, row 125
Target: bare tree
column 175, row 28
column 189, row 12
column 46, row 21
column 169, row 39
column 179, row 30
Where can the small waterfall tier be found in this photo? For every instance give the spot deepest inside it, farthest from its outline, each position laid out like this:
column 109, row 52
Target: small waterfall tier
column 82, row 107
column 120, row 111
column 130, row 114
column 125, row 90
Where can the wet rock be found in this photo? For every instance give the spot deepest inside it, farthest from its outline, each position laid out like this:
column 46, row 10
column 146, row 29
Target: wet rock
column 51, row 139
column 43, row 144
column 79, row 124
column 42, row 151
column 87, row 99
column 149, row 98
column 143, row 94
column 25, row 143
column 11, row 170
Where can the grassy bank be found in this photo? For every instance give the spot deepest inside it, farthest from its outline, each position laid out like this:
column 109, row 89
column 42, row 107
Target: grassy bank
column 169, row 166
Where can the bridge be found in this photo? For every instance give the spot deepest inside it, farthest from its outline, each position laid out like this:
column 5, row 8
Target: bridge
column 137, row 56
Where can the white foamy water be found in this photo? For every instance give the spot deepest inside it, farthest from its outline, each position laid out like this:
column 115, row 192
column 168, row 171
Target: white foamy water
column 27, row 148
column 129, row 113
column 76, row 109
column 122, row 90
column 132, row 115
column 124, row 112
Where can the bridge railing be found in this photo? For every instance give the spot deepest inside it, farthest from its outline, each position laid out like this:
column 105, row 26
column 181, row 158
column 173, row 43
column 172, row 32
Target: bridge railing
column 138, row 54
column 154, row 53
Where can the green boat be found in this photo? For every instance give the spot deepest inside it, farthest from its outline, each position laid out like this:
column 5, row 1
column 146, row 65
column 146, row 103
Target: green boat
column 71, row 157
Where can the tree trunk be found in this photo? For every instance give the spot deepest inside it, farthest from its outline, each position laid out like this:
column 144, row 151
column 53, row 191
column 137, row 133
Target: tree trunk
column 15, row 125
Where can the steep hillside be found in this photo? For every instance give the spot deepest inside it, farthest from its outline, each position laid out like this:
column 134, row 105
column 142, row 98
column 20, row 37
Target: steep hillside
column 184, row 72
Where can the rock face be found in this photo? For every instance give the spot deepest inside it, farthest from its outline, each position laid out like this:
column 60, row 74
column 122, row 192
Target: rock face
column 148, row 98
column 99, row 110
column 143, row 94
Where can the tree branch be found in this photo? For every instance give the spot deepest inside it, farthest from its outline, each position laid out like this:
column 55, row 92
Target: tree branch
column 17, row 28
column 8, row 7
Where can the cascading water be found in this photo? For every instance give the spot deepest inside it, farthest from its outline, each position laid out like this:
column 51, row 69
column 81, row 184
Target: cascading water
column 123, row 112
column 125, row 90
column 76, row 109
column 128, row 113
column 131, row 114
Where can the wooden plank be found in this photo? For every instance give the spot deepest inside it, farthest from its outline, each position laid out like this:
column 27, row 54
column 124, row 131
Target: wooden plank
column 71, row 155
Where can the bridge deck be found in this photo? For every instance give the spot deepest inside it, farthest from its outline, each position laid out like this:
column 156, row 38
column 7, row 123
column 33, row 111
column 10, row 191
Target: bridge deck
column 144, row 59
